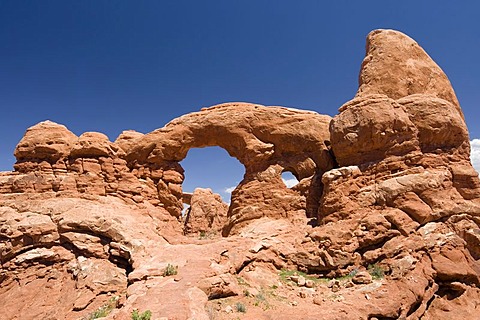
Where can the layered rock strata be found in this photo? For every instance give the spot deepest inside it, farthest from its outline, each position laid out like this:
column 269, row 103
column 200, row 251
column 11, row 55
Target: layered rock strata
column 405, row 189
column 266, row 140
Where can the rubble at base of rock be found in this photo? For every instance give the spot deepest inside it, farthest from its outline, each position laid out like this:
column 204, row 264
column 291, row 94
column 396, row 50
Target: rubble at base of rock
column 384, row 223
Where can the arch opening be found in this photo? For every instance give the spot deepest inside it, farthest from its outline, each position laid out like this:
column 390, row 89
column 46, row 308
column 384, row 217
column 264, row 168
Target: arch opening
column 289, row 179
column 214, row 168
column 211, row 175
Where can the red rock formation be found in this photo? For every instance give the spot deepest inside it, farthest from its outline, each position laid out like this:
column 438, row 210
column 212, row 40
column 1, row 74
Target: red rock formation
column 207, row 213
column 45, row 141
column 396, row 66
column 87, row 224
column 266, row 140
column 407, row 183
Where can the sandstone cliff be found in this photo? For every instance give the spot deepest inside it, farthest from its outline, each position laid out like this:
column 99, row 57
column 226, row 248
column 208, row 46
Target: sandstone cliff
column 384, row 224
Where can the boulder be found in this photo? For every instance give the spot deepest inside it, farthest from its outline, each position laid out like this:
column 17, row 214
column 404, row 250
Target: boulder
column 126, row 140
column 207, row 213
column 47, row 141
column 94, row 145
column 396, row 66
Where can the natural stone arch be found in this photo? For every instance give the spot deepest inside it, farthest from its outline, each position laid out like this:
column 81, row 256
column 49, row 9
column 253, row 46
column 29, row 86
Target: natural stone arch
column 266, row 140
column 210, row 176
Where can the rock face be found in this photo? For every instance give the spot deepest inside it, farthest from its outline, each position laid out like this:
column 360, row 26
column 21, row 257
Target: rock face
column 46, row 141
column 266, row 140
column 405, row 184
column 396, row 66
column 387, row 211
column 207, row 213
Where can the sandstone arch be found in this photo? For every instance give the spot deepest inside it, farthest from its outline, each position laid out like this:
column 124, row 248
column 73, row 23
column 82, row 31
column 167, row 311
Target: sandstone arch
column 266, row 140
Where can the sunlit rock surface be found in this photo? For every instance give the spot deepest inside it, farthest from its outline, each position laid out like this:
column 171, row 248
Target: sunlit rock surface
column 384, row 222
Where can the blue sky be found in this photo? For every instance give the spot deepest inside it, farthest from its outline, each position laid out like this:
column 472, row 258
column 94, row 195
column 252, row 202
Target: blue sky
column 110, row 66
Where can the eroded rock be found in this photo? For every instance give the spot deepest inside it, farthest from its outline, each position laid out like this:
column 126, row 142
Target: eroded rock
column 207, row 213
column 388, row 205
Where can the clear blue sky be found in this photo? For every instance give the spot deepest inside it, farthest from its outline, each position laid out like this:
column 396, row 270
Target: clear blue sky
column 114, row 65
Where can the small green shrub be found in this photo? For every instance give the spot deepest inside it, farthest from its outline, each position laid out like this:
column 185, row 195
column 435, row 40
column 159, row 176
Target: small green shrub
column 348, row 276
column 260, row 296
column 261, row 299
column 206, row 235
column 146, row 315
column 241, row 307
column 335, row 297
column 242, row 282
column 376, row 271
column 170, row 270
column 99, row 313
column 353, row 273
column 104, row 310
column 286, row 274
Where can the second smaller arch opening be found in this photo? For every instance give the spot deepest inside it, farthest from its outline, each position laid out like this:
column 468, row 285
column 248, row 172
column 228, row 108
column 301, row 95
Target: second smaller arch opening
column 289, row 179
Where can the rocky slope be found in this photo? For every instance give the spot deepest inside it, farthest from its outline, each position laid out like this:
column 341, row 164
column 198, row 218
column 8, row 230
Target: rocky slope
column 384, row 224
